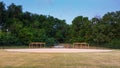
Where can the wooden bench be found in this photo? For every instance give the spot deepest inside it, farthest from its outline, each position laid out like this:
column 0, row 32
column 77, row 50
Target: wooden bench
column 80, row 45
column 37, row 45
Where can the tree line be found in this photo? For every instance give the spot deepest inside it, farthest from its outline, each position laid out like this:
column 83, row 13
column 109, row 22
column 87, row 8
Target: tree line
column 21, row 28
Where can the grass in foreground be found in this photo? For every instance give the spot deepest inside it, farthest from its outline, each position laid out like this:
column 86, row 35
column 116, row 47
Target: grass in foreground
column 59, row 60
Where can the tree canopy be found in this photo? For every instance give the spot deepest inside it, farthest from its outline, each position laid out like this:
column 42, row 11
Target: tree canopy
column 21, row 28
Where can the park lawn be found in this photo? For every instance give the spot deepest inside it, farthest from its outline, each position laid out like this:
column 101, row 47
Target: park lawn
column 59, row 60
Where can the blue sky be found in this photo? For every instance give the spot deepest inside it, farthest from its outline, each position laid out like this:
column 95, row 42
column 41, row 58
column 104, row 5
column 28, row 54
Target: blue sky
column 68, row 9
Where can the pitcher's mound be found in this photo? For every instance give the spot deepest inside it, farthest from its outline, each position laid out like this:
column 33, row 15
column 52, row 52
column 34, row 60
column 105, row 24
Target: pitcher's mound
column 55, row 50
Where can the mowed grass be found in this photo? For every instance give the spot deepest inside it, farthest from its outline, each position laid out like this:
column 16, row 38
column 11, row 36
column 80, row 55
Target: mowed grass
column 59, row 60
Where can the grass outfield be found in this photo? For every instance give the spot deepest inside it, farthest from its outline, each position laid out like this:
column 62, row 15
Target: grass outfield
column 59, row 60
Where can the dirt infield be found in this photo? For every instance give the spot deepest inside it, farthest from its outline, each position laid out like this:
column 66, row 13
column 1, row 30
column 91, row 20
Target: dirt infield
column 55, row 50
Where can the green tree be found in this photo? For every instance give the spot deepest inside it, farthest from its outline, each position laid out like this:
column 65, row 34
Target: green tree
column 81, row 28
column 14, row 11
column 25, row 36
column 39, row 35
column 6, row 38
column 2, row 14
